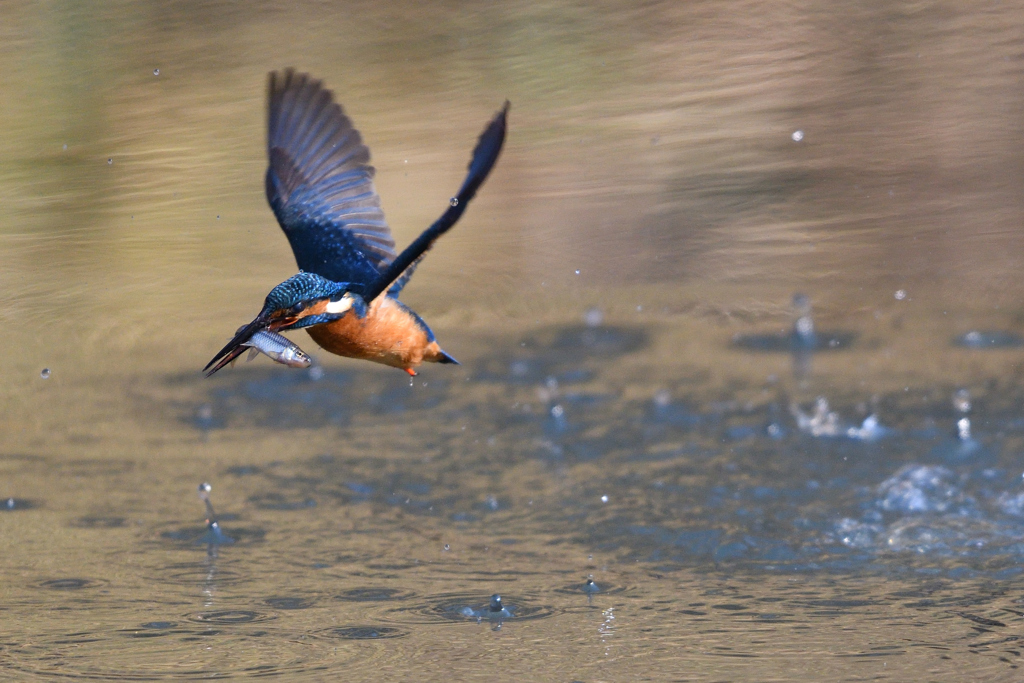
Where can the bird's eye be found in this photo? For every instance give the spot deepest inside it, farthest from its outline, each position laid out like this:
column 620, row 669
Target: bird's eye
column 299, row 307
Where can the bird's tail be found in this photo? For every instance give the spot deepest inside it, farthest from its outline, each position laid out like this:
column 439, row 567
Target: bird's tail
column 445, row 357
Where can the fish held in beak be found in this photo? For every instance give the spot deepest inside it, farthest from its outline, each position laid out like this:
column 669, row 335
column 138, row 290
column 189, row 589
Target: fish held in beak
column 278, row 348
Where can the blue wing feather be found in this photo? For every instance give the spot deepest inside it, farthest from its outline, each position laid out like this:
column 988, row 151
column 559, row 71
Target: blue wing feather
column 320, row 184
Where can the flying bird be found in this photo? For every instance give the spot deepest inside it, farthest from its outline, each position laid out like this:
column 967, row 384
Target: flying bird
column 320, row 186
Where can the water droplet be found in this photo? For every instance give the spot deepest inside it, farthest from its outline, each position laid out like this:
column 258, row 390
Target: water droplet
column 110, row 161
column 218, row 216
column 593, row 317
column 45, row 374
column 962, row 401
column 963, row 429
column 604, row 499
column 454, row 201
column 156, row 72
column 316, row 373
column 10, row 503
column 65, row 146
column 577, row 271
column 447, row 547
column 900, row 294
column 804, row 327
column 798, row 135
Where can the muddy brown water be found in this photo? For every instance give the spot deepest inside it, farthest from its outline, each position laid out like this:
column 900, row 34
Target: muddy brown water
column 633, row 406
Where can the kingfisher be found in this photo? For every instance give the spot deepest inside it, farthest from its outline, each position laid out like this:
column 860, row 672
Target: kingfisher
column 320, row 187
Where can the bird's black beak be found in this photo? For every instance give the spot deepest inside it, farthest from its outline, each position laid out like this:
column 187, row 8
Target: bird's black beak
column 235, row 347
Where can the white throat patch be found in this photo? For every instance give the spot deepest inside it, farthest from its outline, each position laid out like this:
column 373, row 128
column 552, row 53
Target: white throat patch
column 340, row 306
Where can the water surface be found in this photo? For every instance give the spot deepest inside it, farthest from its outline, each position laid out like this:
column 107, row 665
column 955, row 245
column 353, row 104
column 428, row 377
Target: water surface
column 638, row 404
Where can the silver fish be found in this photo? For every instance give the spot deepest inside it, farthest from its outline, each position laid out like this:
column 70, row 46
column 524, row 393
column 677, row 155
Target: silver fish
column 277, row 348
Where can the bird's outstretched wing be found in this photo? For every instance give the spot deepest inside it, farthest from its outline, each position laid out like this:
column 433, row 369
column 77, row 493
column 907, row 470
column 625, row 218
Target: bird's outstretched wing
column 320, row 183
column 397, row 271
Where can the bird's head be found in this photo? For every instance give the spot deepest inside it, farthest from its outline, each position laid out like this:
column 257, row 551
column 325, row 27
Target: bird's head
column 300, row 301
column 301, row 296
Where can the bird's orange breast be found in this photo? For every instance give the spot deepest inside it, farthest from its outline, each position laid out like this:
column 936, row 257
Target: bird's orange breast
column 390, row 334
